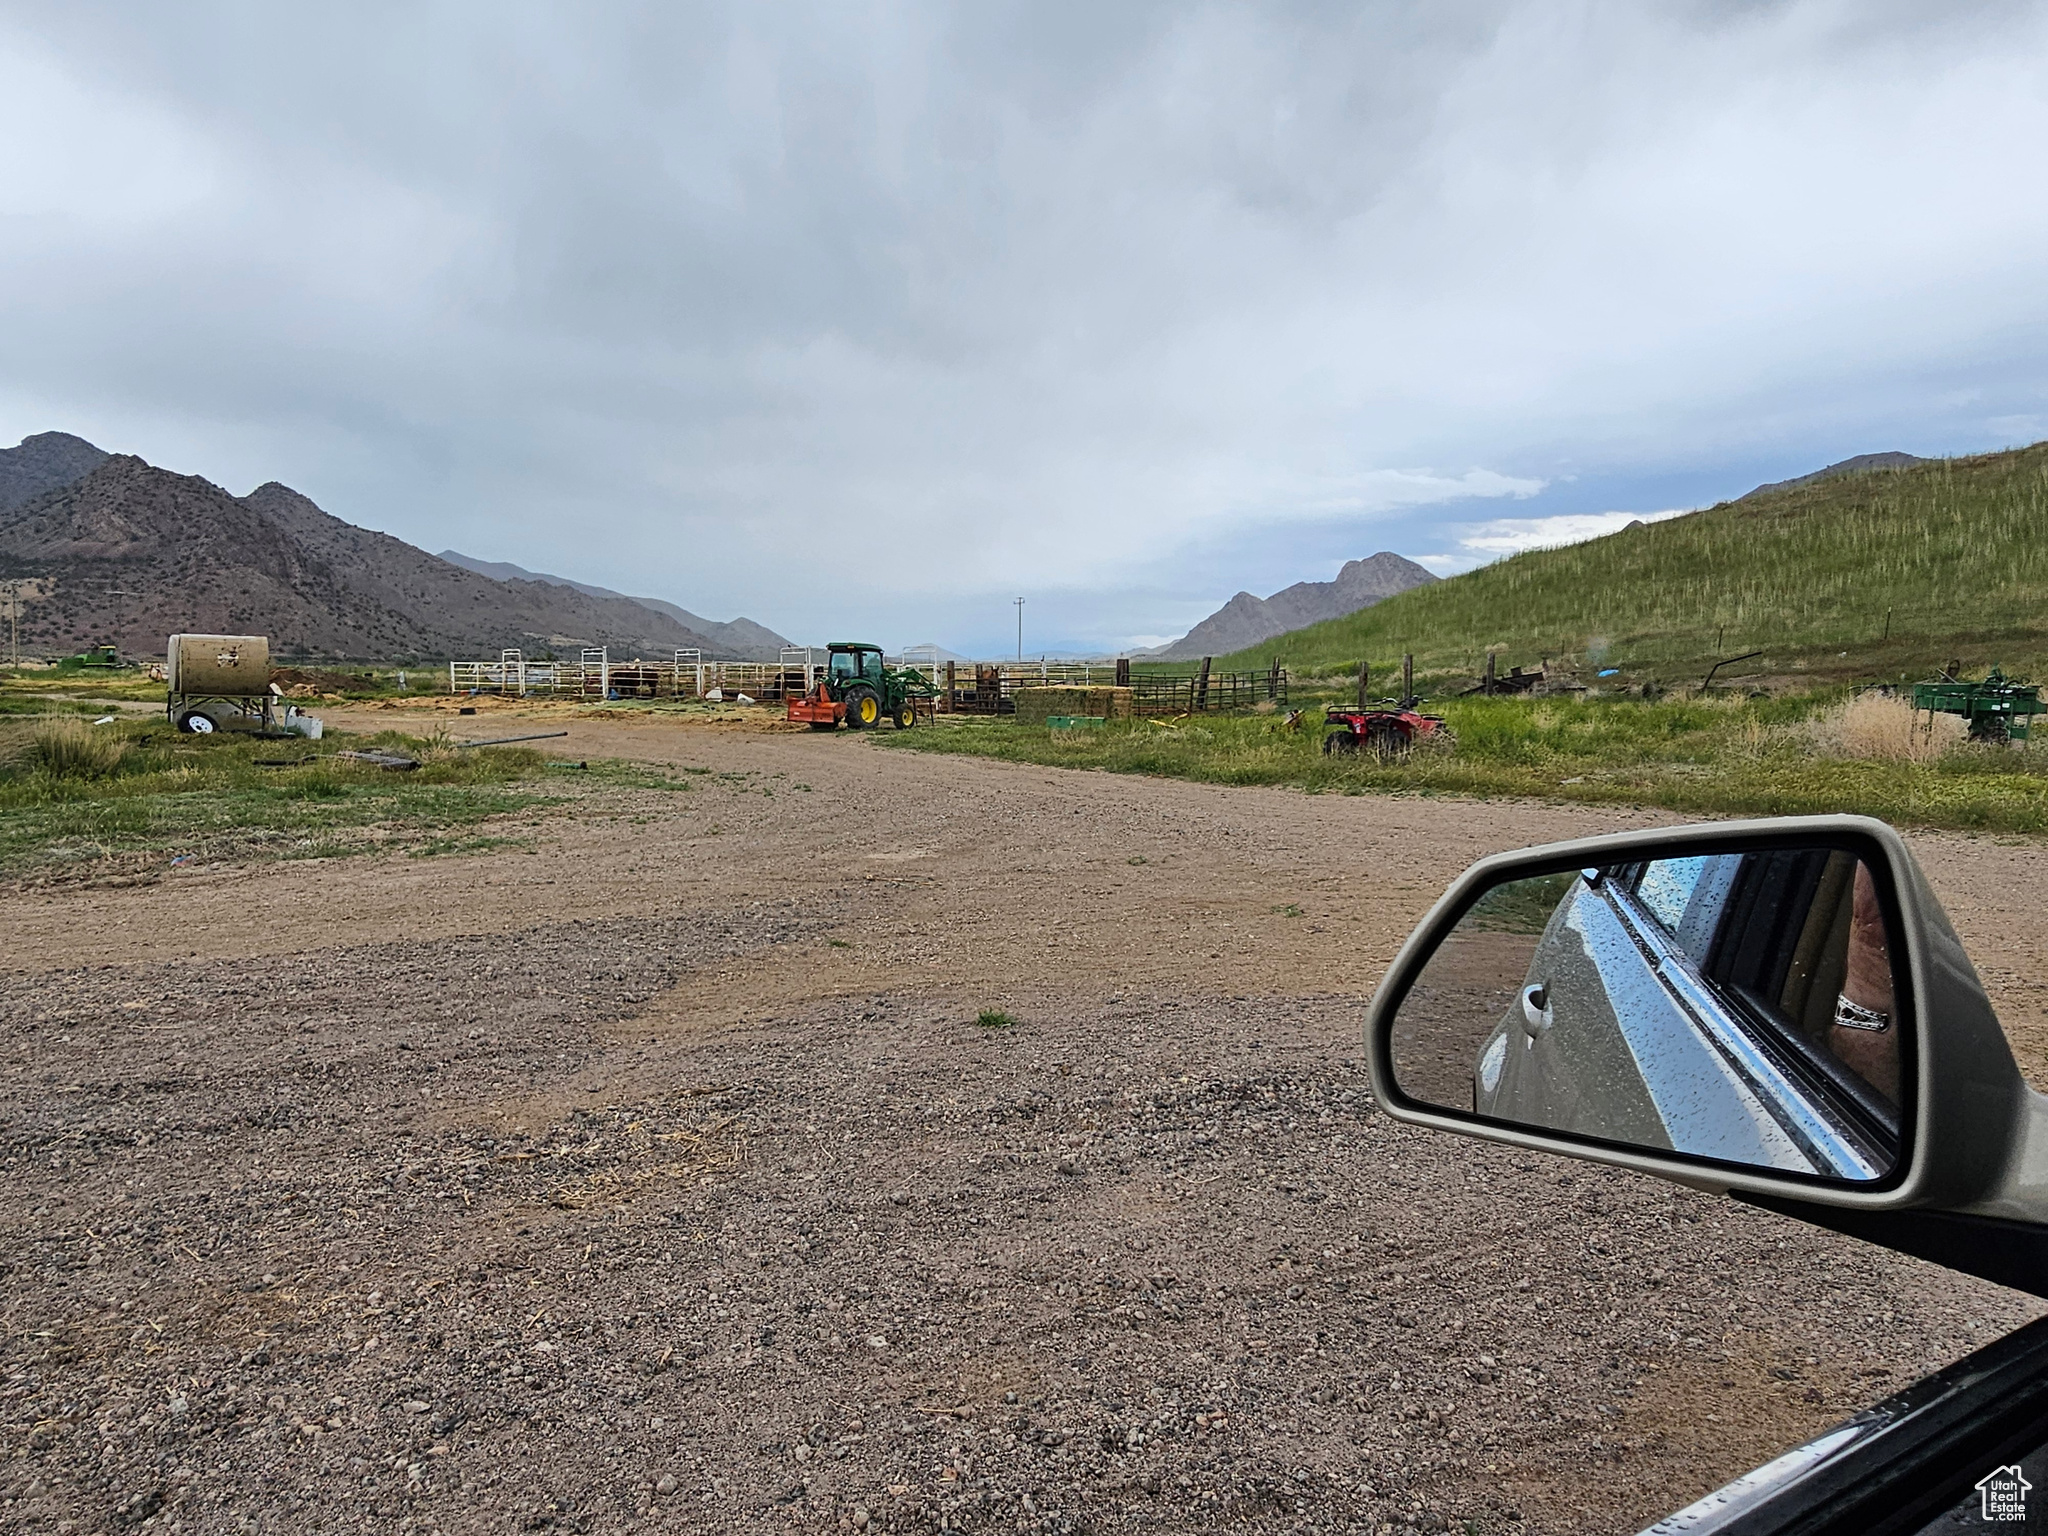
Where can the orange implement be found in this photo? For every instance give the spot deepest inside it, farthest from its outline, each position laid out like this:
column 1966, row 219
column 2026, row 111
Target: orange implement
column 815, row 709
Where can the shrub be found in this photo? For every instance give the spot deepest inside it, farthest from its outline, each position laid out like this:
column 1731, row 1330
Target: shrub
column 72, row 749
column 1876, row 728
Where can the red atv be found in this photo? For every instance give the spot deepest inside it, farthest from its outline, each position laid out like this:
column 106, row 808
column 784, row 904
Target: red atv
column 1382, row 732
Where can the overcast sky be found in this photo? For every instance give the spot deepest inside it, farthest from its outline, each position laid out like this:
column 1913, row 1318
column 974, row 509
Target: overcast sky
column 867, row 319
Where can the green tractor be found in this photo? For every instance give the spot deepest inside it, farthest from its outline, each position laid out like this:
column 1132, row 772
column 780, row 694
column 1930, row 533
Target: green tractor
column 859, row 689
column 99, row 658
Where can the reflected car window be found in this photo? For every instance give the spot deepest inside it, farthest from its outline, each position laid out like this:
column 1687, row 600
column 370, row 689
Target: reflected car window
column 1688, row 896
column 1666, row 886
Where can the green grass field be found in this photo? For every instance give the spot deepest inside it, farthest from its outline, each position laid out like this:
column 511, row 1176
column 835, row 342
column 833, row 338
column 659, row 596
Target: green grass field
column 1950, row 555
column 1720, row 756
column 85, row 801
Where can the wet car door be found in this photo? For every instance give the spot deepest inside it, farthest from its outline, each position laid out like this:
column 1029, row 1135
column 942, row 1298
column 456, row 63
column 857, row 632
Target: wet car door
column 1672, row 1003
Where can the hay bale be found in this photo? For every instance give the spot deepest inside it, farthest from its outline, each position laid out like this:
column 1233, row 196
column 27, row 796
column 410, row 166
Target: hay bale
column 1037, row 705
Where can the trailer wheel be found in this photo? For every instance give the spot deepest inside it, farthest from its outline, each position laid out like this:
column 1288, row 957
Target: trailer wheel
column 196, row 724
column 1340, row 744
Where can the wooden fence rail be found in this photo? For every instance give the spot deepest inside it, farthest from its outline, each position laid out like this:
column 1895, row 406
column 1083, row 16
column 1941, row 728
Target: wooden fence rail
column 989, row 688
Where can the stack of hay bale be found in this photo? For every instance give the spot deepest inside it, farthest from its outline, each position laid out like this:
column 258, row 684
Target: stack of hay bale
column 1037, row 705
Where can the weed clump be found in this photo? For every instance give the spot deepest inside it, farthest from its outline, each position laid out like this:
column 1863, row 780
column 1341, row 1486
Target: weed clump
column 1873, row 727
column 994, row 1018
column 72, row 749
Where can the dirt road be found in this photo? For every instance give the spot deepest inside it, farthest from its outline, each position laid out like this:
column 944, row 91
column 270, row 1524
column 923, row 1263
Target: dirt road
column 652, row 1171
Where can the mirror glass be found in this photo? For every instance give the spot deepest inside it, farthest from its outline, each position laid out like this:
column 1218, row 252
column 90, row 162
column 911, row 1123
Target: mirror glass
column 1734, row 1006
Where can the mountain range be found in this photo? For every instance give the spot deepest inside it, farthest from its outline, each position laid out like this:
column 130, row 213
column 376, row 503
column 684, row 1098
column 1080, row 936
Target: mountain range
column 116, row 549
column 1246, row 620
column 740, row 640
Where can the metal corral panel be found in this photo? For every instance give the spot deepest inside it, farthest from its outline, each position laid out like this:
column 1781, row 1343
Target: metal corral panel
column 227, row 666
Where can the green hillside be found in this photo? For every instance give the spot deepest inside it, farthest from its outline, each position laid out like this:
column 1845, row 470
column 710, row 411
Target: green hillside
column 1955, row 552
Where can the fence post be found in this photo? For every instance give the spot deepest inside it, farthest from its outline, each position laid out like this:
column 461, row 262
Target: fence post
column 1364, row 683
column 1201, row 700
column 1273, row 681
column 1407, row 677
column 947, row 703
column 1486, row 682
column 1123, row 671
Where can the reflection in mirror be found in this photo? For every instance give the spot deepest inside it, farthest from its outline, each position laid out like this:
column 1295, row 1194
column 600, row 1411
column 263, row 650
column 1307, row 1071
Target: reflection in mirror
column 1734, row 1006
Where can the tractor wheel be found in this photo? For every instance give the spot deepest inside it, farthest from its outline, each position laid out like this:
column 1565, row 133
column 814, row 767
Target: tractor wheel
column 863, row 707
column 1385, row 740
column 906, row 715
column 1340, row 744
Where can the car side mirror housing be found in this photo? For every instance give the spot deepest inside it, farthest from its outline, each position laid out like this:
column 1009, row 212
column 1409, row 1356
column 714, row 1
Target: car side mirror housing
column 1777, row 1009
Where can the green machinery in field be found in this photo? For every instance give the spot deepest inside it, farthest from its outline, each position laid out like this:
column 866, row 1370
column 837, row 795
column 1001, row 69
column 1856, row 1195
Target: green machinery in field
column 1998, row 709
column 860, row 690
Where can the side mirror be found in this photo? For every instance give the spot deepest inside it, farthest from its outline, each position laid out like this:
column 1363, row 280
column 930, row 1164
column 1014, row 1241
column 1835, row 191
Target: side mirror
column 1777, row 1008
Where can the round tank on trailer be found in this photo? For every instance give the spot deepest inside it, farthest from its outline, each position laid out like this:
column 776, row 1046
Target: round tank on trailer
column 225, row 666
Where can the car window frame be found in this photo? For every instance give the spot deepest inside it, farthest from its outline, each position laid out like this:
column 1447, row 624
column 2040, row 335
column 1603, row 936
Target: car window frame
column 1752, row 1045
column 1764, row 1018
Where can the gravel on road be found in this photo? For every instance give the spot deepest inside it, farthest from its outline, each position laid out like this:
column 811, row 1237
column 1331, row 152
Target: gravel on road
column 664, row 1179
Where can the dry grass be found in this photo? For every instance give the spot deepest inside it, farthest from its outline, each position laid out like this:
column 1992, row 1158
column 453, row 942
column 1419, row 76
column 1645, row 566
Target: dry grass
column 69, row 749
column 1873, row 727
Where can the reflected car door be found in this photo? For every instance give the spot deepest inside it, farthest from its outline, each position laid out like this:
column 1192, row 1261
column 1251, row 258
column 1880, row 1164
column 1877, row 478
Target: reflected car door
column 1618, row 1034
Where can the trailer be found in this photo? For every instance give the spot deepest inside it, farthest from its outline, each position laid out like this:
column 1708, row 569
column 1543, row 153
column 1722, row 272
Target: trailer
column 220, row 683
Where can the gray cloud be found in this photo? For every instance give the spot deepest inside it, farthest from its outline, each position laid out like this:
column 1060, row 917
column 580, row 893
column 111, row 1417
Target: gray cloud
column 869, row 320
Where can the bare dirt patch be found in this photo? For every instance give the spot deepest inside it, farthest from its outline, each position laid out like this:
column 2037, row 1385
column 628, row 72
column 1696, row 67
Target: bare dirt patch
column 661, row 1176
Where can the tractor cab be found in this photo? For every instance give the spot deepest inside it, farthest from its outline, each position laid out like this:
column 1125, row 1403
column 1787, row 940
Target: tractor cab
column 848, row 662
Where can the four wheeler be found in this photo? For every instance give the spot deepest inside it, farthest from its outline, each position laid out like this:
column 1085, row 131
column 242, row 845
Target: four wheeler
column 858, row 689
column 1382, row 732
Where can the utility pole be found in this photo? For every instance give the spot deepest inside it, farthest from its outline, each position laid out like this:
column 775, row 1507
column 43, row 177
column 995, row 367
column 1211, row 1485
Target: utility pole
column 119, row 608
column 1020, row 631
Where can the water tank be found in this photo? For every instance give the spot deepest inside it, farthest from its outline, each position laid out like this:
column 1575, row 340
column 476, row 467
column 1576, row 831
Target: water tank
column 233, row 666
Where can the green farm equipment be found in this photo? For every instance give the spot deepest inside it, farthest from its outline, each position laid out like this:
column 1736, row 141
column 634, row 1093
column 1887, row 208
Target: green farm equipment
column 1998, row 709
column 99, row 658
column 860, row 689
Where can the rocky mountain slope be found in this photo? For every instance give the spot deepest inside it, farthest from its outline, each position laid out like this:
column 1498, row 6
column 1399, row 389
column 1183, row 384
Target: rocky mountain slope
column 740, row 639
column 1863, row 463
column 43, row 463
column 1246, row 620
column 132, row 553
